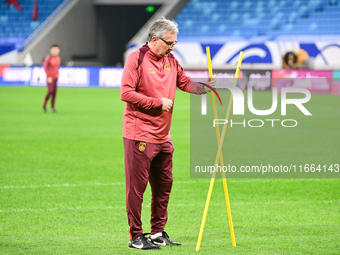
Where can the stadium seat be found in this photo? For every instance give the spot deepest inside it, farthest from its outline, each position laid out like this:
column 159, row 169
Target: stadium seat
column 23, row 19
column 253, row 18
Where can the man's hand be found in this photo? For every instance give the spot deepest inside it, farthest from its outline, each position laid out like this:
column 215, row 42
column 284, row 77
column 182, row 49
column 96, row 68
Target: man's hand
column 211, row 82
column 167, row 104
column 49, row 79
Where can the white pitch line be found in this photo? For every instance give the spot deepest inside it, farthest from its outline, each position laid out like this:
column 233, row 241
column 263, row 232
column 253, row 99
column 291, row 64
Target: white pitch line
column 73, row 185
column 60, row 185
column 201, row 180
column 82, row 208
column 77, row 208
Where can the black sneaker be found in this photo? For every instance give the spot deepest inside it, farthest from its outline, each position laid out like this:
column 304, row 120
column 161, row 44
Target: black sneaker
column 44, row 108
column 142, row 243
column 163, row 240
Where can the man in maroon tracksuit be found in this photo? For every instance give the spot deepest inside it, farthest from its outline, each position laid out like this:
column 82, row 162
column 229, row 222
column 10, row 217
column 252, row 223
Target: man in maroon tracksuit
column 150, row 78
column 51, row 66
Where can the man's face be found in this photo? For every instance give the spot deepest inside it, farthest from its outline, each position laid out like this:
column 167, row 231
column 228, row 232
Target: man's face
column 54, row 51
column 161, row 48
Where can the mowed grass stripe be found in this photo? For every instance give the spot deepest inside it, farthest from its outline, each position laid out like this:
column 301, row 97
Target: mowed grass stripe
column 175, row 183
column 62, row 181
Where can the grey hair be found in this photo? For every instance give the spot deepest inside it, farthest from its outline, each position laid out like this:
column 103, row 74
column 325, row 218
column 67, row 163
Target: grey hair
column 160, row 27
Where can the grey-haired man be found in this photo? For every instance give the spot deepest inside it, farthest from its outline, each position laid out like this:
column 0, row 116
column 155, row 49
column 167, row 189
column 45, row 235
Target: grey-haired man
column 150, row 78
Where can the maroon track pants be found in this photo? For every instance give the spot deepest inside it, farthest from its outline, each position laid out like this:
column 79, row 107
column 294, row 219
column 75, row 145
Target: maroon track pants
column 51, row 91
column 147, row 162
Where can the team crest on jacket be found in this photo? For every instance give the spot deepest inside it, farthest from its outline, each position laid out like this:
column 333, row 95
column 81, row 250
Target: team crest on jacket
column 167, row 67
column 142, row 146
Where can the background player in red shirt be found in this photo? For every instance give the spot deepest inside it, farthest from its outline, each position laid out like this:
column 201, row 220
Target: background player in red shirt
column 150, row 78
column 51, row 66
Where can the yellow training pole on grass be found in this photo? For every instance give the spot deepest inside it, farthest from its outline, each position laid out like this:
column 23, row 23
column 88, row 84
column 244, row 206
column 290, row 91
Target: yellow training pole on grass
column 224, row 180
column 219, row 157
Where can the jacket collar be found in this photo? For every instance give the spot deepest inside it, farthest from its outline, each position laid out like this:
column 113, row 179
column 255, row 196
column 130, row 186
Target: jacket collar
column 150, row 53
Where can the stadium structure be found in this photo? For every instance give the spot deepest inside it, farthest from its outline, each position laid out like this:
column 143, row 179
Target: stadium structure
column 273, row 34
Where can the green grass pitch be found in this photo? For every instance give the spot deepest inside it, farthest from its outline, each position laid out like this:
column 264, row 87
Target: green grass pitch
column 62, row 185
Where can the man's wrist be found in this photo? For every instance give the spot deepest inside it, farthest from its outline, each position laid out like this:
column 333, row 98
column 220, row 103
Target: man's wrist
column 159, row 103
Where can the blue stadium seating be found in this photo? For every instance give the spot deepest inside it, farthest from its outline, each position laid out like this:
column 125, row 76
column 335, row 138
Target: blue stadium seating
column 253, row 18
column 19, row 24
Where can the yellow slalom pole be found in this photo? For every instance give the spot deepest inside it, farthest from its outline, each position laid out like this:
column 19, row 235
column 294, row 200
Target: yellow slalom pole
column 224, row 180
column 219, row 152
column 212, row 181
column 217, row 128
column 200, row 235
column 219, row 156
column 228, row 109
